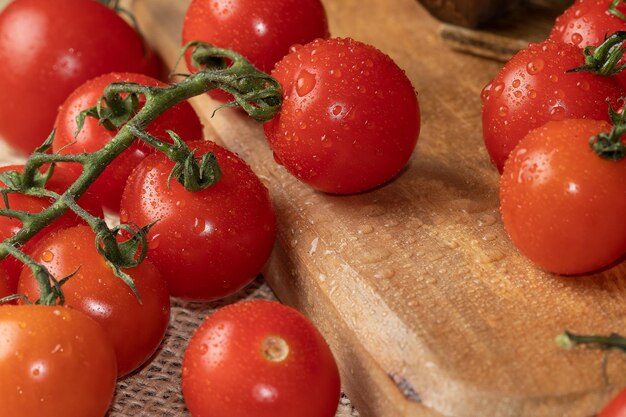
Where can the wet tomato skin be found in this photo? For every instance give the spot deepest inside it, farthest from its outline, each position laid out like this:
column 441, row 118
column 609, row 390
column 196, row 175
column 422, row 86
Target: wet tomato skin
column 55, row 362
column 259, row 355
column 260, row 31
column 136, row 329
column 350, row 118
column 562, row 205
column 534, row 88
column 109, row 186
column 210, row 243
column 47, row 52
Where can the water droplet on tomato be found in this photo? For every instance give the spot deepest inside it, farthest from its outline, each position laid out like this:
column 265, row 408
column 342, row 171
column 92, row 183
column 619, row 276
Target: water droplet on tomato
column 293, row 48
column 305, row 83
column 497, row 90
column 532, row 94
column 503, row 111
column 584, row 85
column 47, row 256
column 518, row 94
column 123, row 216
column 576, row 38
column 554, row 78
column 154, row 242
column 336, row 73
column 204, row 348
column 516, row 83
column 181, row 203
column 535, row 66
column 557, row 113
column 337, row 109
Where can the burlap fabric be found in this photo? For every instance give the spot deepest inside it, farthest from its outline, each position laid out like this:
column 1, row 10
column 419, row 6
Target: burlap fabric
column 154, row 391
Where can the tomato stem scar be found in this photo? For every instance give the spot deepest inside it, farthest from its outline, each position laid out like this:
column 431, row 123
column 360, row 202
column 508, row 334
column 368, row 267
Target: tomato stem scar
column 275, row 348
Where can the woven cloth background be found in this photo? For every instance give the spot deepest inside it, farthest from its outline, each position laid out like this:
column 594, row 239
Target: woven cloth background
column 154, row 391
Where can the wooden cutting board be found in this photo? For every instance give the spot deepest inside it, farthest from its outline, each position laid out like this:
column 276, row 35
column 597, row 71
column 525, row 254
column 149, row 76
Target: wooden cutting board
column 428, row 307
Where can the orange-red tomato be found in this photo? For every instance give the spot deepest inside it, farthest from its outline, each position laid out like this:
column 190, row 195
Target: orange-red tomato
column 54, row 362
column 259, row 358
column 562, row 205
column 135, row 328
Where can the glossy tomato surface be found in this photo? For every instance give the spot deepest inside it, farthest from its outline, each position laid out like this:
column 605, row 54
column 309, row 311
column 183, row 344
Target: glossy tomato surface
column 210, row 243
column 47, row 51
column 135, row 328
column 587, row 23
column 534, row 88
column 54, row 362
column 562, row 205
column 261, row 31
column 181, row 119
column 59, row 182
column 350, row 117
column 616, row 407
column 259, row 358
column 5, row 286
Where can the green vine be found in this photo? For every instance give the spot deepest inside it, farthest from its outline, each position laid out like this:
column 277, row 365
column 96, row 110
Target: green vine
column 609, row 145
column 256, row 92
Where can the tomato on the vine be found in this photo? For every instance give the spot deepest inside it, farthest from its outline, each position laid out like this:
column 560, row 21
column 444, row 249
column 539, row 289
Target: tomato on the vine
column 109, row 186
column 534, row 87
column 260, row 31
column 616, row 407
column 59, row 182
column 261, row 356
column 210, row 243
column 562, row 204
column 350, row 117
column 54, row 362
column 135, row 327
column 48, row 48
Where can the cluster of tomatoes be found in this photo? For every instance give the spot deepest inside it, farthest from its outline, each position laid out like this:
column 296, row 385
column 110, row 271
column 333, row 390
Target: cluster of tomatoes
column 349, row 122
column 562, row 195
column 552, row 122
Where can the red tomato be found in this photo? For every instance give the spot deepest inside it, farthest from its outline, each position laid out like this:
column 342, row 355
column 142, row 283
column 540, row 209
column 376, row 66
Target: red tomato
column 616, row 408
column 136, row 329
column 5, row 287
column 350, row 117
column 260, row 31
column 534, row 88
column 54, row 362
column 562, row 204
column 207, row 244
column 259, row 358
column 47, row 52
column 109, row 186
column 59, row 182
column 587, row 22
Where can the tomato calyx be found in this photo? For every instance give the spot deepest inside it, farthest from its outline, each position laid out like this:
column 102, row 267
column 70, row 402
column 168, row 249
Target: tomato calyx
column 609, row 145
column 114, row 114
column 604, row 59
column 569, row 340
column 256, row 92
column 615, row 11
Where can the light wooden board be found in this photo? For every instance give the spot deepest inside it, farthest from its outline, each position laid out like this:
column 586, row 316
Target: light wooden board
column 427, row 305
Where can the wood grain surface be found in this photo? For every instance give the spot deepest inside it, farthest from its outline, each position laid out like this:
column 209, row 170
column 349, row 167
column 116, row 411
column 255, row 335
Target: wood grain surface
column 428, row 307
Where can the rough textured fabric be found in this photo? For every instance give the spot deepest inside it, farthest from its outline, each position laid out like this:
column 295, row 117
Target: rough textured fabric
column 154, row 391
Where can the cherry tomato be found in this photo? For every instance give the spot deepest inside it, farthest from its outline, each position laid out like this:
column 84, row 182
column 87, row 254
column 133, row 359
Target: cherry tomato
column 562, row 205
column 109, row 186
column 60, row 181
column 47, row 52
column 260, row 31
column 262, row 358
column 210, row 243
column 350, row 117
column 135, row 328
column 586, row 23
column 54, row 362
column 615, row 408
column 534, row 88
